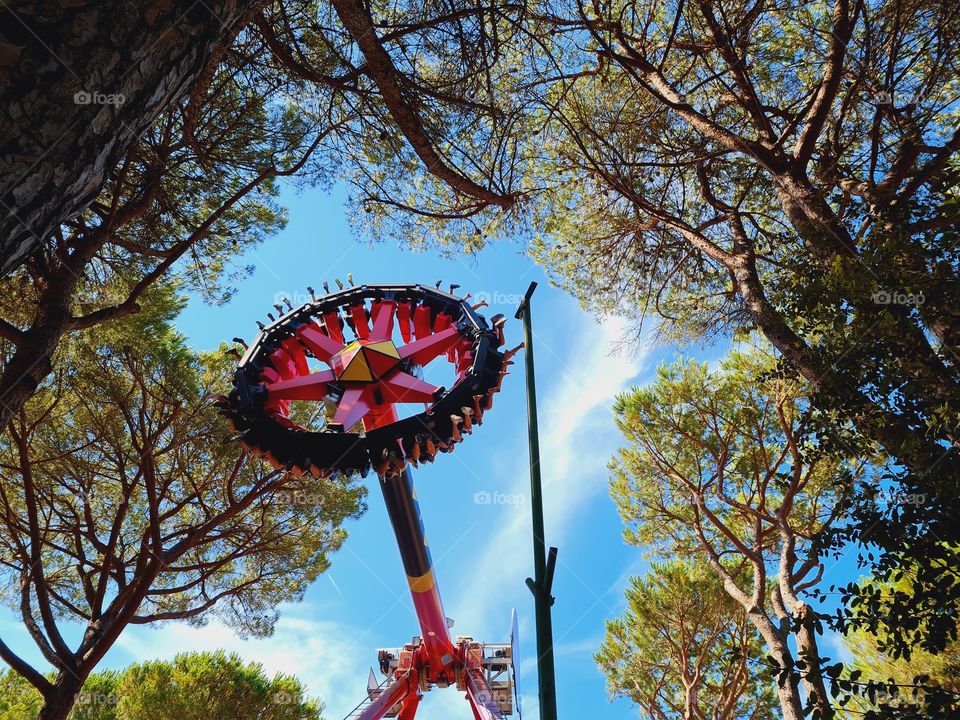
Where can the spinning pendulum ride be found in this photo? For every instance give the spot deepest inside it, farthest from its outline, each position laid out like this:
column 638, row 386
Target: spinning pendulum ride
column 341, row 350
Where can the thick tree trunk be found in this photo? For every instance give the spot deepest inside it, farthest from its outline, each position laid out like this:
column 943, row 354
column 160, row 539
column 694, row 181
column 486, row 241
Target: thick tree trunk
column 80, row 83
column 788, row 691
column 29, row 366
column 58, row 703
column 811, row 216
column 32, row 360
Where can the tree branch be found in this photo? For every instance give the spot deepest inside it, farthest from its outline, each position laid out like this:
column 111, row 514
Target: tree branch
column 379, row 65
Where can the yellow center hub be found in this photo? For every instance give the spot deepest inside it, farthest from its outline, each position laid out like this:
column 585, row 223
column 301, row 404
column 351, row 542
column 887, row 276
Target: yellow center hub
column 365, row 361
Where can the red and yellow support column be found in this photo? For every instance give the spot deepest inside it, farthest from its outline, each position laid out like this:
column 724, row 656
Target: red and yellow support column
column 400, row 499
column 404, row 512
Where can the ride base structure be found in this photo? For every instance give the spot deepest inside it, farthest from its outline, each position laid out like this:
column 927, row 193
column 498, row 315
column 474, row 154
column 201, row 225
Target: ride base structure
column 323, row 389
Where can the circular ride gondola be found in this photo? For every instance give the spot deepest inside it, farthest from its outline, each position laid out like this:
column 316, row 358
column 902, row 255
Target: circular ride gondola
column 357, row 356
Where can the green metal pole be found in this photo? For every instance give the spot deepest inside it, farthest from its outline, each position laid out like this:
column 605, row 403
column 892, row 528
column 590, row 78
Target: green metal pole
column 543, row 566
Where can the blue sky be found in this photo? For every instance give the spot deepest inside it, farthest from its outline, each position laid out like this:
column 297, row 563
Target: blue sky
column 481, row 550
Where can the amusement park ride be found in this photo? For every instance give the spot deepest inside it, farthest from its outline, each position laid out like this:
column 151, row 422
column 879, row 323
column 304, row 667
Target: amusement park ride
column 337, row 358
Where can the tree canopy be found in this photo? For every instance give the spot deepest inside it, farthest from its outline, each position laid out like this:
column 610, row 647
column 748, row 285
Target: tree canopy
column 123, row 501
column 192, row 686
column 685, row 649
column 720, row 466
column 877, row 658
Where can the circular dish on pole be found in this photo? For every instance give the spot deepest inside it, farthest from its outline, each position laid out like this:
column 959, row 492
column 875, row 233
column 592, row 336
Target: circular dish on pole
column 338, row 384
column 383, row 377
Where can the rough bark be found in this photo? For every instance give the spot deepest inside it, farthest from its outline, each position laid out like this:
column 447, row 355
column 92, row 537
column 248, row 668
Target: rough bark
column 32, row 361
column 807, row 650
column 59, row 701
column 80, row 82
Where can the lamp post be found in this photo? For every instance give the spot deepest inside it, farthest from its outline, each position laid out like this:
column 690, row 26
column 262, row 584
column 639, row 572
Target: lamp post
column 544, row 563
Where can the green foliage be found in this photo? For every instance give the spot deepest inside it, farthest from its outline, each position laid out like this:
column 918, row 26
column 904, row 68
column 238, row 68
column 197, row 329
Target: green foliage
column 127, row 424
column 160, row 516
column 459, row 65
column 194, row 163
column 926, row 672
column 727, row 465
column 18, row 699
column 210, row 686
column 720, row 467
column 681, row 630
column 98, row 698
column 732, row 440
column 192, row 686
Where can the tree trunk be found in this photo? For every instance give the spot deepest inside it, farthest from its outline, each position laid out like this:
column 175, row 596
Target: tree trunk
column 29, row 366
column 80, row 83
column 788, row 691
column 790, row 703
column 812, row 218
column 913, row 449
column 808, row 651
column 58, row 703
column 31, row 362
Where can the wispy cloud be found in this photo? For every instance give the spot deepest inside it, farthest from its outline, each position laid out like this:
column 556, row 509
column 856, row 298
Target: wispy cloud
column 576, row 441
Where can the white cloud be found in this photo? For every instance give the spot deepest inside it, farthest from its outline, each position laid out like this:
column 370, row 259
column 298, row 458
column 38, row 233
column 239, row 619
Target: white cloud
column 445, row 704
column 834, row 641
column 575, row 415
